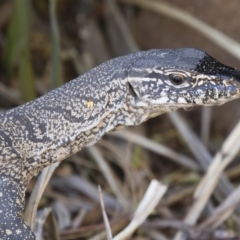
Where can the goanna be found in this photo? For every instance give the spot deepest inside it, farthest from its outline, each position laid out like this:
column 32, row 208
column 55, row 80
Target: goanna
column 121, row 92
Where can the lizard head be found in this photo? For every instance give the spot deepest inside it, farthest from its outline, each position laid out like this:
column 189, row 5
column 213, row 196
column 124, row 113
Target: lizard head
column 168, row 79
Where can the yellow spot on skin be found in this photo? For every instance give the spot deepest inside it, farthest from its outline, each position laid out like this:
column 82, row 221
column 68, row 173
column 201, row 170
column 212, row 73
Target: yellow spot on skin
column 8, row 232
column 90, row 104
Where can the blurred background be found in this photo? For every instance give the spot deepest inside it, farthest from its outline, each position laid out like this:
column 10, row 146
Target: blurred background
column 46, row 43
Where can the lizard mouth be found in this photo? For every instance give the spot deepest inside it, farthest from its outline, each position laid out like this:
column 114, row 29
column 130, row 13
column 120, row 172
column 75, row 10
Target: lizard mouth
column 224, row 89
column 209, row 95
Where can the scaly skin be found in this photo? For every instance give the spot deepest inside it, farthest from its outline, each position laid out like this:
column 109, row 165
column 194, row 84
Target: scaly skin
column 121, row 92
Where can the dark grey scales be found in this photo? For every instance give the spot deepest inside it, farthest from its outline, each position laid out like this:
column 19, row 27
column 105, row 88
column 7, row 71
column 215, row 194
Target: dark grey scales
column 121, row 92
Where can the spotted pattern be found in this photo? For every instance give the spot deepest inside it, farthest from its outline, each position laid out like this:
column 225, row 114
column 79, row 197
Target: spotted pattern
column 121, row 92
column 12, row 226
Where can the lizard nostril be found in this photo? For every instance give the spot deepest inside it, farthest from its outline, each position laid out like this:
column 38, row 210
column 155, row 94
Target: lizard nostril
column 236, row 75
column 233, row 73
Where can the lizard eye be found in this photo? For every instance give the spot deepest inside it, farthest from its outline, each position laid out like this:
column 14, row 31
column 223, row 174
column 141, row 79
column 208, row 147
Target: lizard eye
column 176, row 79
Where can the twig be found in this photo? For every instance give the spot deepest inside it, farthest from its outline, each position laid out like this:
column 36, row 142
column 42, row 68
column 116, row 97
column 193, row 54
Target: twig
column 105, row 218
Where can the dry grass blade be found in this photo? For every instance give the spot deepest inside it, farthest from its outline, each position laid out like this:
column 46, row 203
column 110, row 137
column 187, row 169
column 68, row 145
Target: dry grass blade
column 40, row 220
column 223, row 157
column 51, row 226
column 205, row 124
column 157, row 148
column 105, row 218
column 222, row 212
column 194, row 143
column 121, row 25
column 85, row 205
column 225, row 42
column 62, row 214
column 43, row 179
column 78, row 219
column 202, row 194
column 82, row 186
column 150, row 200
column 112, row 181
column 200, row 152
column 169, row 223
column 25, row 65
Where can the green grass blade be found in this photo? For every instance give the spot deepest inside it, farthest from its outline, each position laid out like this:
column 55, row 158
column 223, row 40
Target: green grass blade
column 17, row 53
column 56, row 69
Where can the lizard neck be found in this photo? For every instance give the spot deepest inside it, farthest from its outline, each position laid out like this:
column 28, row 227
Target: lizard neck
column 65, row 120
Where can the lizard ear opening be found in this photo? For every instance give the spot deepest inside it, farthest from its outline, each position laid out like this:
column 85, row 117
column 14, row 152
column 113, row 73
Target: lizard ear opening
column 134, row 88
column 131, row 90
